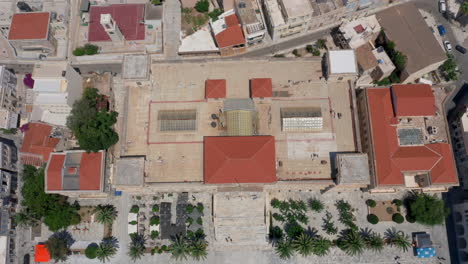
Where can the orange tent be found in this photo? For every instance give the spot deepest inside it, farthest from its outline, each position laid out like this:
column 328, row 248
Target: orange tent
column 42, row 254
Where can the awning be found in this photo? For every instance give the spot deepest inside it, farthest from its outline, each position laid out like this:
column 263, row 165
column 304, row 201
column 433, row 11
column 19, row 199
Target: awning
column 42, row 254
column 427, row 252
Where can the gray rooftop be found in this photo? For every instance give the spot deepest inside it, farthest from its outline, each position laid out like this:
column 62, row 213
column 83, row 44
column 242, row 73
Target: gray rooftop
column 353, row 168
column 239, row 104
column 71, row 171
column 129, row 171
column 153, row 12
column 405, row 26
column 4, row 222
column 135, row 67
column 410, row 136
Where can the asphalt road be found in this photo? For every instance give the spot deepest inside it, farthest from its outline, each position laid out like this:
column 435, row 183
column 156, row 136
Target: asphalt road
column 303, row 40
column 462, row 59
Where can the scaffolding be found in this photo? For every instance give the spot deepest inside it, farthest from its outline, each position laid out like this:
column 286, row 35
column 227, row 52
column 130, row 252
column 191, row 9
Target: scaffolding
column 177, row 120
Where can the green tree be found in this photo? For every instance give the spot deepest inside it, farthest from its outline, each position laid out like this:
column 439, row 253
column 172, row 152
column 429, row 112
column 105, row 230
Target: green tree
column 398, row 218
column 464, row 8
column 107, row 249
column 105, row 214
column 215, row 14
column 58, row 246
column 328, row 225
column 400, row 60
column 397, row 239
column 180, row 249
column 91, row 49
column 137, row 247
column 25, row 218
column 54, row 209
column 372, row 218
column 315, row 205
column 351, row 242
column 93, row 129
column 202, row 6
column 80, row 51
column 374, row 242
column 428, row 209
column 321, row 43
column 90, row 251
column 303, row 244
column 284, row 249
column 321, row 246
column 449, row 68
column 198, row 249
column 61, row 216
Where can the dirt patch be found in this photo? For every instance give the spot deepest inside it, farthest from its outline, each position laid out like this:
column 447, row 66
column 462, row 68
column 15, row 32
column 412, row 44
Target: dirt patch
column 192, row 20
column 86, row 213
column 384, row 210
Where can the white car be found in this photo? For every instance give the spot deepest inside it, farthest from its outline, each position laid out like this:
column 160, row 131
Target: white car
column 447, row 45
column 442, row 6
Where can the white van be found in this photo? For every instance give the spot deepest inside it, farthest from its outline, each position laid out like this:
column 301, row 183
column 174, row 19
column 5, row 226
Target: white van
column 442, row 6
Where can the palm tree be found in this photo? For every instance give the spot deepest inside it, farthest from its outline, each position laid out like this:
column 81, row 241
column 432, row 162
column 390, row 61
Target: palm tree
column 303, row 244
column 284, row 249
column 398, row 239
column 137, row 247
column 179, row 248
column 105, row 214
column 321, row 246
column 374, row 242
column 105, row 251
column 198, row 249
column 351, row 242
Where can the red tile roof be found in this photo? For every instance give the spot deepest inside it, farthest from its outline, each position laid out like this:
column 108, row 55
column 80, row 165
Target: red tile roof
column 240, row 159
column 391, row 160
column 37, row 145
column 29, row 26
column 54, row 172
column 128, row 17
column 90, row 171
column 232, row 35
column 261, row 87
column 409, row 94
column 41, row 254
column 215, row 88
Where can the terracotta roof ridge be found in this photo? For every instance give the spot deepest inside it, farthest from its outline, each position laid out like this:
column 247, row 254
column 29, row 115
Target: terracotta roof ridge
column 220, row 165
column 438, row 154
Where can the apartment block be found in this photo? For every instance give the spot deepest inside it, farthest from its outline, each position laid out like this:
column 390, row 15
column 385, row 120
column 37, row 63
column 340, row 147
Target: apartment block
column 251, row 19
column 287, row 18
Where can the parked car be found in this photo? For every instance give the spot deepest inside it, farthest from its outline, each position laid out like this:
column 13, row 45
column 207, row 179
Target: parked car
column 442, row 6
column 461, row 49
column 447, row 45
column 441, row 29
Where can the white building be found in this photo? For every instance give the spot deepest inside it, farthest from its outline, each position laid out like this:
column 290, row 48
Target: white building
column 251, row 19
column 287, row 17
column 360, row 31
column 342, row 65
column 56, row 88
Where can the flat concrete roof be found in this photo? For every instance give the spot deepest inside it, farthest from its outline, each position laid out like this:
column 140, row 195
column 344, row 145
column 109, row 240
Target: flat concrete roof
column 129, row 171
column 342, row 61
column 353, row 168
column 135, row 67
